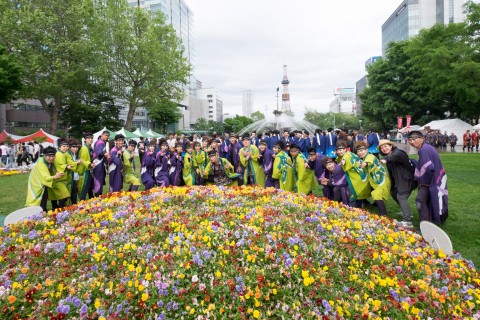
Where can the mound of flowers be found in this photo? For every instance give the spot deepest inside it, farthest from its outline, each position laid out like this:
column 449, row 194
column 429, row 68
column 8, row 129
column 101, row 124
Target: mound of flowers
column 210, row 253
column 11, row 172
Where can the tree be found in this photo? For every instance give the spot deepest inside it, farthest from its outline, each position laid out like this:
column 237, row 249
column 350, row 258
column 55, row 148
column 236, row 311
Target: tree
column 237, row 123
column 141, row 54
column 10, row 76
column 327, row 120
column 257, row 115
column 165, row 113
column 201, row 124
column 49, row 40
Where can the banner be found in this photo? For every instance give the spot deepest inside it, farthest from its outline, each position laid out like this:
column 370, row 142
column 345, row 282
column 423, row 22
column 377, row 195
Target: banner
column 399, row 122
column 409, row 119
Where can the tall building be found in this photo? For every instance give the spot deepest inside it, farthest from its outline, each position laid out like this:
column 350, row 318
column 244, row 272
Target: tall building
column 413, row 15
column 247, row 102
column 215, row 104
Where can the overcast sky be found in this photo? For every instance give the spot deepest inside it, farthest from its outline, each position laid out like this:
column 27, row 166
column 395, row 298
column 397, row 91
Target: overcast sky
column 243, row 45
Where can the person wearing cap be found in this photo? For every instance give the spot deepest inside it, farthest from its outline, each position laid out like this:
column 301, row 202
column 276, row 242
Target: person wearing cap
column 283, row 167
column 356, row 175
column 330, row 143
column 233, row 152
column 162, row 166
column 100, row 159
column 85, row 178
column 176, row 165
column 252, row 173
column 200, row 160
column 129, row 166
column 147, row 172
column 401, row 173
column 60, row 194
column 378, row 177
column 265, row 160
column 219, row 171
column 315, row 164
column 334, row 182
column 115, row 164
column 42, row 177
column 432, row 196
column 372, row 141
column 188, row 170
column 304, row 177
column 76, row 167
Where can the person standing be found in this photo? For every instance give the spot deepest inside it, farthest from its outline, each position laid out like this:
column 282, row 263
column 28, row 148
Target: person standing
column 115, row 164
column 85, row 177
column 233, row 153
column 377, row 176
column 252, row 173
column 129, row 166
column 188, row 171
column 432, row 196
column 100, row 159
column 4, row 153
column 283, row 167
column 265, row 160
column 304, row 177
column 147, row 172
column 199, row 163
column 330, row 143
column 356, row 175
column 315, row 164
column 372, row 141
column 76, row 166
column 142, row 148
column 60, row 194
column 452, row 138
column 319, row 141
column 467, row 141
column 162, row 166
column 176, row 164
column 475, row 140
column 401, row 173
column 42, row 178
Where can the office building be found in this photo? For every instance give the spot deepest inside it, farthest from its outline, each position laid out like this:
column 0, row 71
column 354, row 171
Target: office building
column 413, row 15
column 214, row 104
column 247, row 102
column 345, row 101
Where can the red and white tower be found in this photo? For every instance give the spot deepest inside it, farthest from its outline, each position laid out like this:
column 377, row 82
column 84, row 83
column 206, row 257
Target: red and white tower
column 285, row 94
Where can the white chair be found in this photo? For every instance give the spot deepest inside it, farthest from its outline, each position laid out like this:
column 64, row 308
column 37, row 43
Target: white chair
column 20, row 214
column 436, row 237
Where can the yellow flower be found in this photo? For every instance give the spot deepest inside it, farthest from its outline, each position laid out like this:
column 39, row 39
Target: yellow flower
column 256, row 314
column 144, row 296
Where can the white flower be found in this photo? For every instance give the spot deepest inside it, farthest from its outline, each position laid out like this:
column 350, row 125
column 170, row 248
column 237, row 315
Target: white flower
column 195, row 278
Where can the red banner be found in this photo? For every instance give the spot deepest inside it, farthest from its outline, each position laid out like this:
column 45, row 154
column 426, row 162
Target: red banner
column 409, row 119
column 399, row 122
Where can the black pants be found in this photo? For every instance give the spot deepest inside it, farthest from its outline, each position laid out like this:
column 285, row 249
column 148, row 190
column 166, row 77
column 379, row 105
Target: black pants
column 74, row 193
column 88, row 188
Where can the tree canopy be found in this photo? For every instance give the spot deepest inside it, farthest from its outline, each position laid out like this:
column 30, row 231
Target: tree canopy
column 10, row 76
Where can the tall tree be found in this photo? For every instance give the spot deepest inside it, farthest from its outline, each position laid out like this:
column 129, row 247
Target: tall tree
column 237, row 123
column 257, row 115
column 165, row 113
column 142, row 55
column 10, row 76
column 48, row 39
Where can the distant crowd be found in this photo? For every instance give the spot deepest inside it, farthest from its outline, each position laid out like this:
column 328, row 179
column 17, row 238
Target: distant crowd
column 346, row 166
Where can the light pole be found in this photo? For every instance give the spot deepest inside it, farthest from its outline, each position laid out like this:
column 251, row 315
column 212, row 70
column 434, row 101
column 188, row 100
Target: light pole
column 360, row 124
column 343, row 126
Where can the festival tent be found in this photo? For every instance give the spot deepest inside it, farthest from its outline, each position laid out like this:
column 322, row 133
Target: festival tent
column 127, row 134
column 154, row 134
column 6, row 137
column 142, row 133
column 409, row 128
column 457, row 126
column 50, row 138
column 477, row 126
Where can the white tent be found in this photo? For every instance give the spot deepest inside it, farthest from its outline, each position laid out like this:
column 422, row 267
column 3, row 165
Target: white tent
column 477, row 126
column 457, row 126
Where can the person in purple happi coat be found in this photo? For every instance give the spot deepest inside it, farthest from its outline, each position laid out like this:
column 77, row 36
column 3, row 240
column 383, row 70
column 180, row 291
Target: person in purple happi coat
column 100, row 159
column 265, row 161
column 432, row 196
column 176, row 166
column 233, row 150
column 334, row 182
column 115, row 164
column 147, row 173
column 162, row 164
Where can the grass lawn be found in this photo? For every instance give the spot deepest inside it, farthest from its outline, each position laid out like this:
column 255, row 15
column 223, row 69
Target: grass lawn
column 463, row 224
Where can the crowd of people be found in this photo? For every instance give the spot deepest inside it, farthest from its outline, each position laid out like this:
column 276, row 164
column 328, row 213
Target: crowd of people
column 348, row 167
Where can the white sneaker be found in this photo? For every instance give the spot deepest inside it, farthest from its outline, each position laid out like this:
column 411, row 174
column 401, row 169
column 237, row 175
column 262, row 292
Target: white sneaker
column 405, row 224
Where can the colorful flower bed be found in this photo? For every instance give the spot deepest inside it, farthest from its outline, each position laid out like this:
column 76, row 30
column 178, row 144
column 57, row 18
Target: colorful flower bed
column 226, row 253
column 11, row 172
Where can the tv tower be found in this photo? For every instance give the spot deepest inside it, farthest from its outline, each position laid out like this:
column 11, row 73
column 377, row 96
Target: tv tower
column 285, row 95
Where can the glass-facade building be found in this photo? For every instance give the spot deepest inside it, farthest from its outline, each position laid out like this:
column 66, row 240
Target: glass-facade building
column 413, row 15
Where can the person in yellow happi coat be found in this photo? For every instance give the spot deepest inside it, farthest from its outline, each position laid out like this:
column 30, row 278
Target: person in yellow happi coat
column 59, row 194
column 85, row 177
column 356, row 175
column 42, row 177
column 378, row 177
column 76, row 167
column 188, row 170
column 128, row 166
column 304, row 177
column 283, row 167
column 200, row 161
column 249, row 155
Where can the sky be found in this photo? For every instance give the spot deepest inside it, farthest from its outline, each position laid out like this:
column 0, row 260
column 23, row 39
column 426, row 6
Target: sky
column 244, row 44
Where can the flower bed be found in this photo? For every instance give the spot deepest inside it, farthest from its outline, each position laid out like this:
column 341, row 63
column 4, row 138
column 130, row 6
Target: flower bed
column 11, row 172
column 235, row 253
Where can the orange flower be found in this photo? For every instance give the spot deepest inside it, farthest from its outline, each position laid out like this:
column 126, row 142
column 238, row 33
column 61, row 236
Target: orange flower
column 12, row 299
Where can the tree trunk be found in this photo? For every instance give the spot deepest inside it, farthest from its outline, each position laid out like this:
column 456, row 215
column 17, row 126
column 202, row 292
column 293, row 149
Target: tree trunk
column 131, row 113
column 52, row 109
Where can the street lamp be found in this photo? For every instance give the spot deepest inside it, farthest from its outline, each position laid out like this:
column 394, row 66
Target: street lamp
column 343, row 126
column 360, row 124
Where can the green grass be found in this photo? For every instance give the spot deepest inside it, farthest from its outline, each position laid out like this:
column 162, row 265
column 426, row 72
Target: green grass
column 463, row 224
